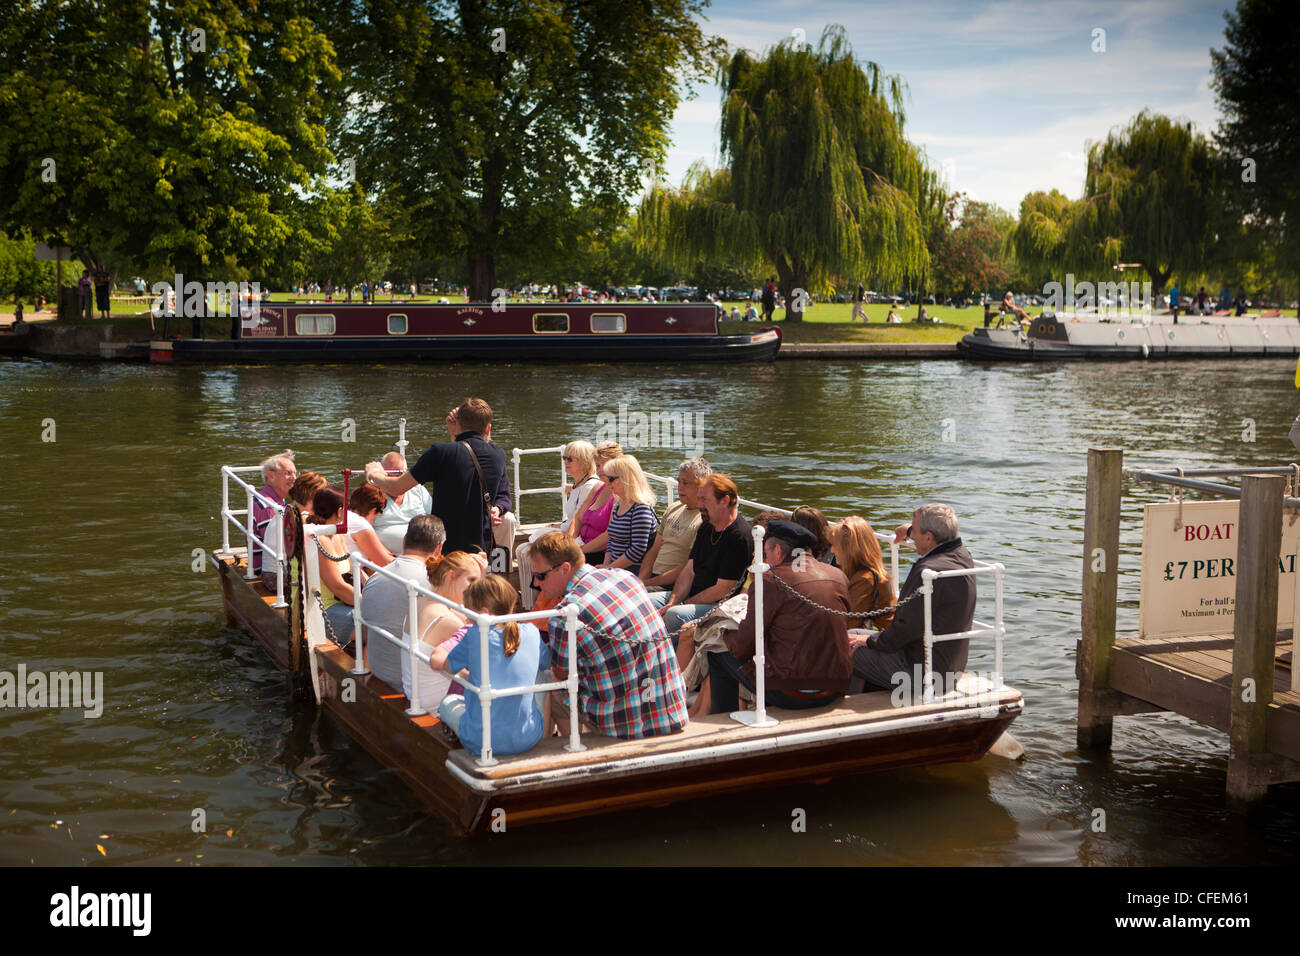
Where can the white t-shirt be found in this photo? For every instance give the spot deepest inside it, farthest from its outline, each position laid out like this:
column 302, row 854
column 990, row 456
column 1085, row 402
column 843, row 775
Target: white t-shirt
column 356, row 523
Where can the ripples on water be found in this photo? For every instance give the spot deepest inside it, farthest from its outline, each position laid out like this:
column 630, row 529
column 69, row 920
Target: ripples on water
column 102, row 524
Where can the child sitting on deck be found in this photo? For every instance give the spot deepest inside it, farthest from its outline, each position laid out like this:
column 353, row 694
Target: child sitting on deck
column 515, row 655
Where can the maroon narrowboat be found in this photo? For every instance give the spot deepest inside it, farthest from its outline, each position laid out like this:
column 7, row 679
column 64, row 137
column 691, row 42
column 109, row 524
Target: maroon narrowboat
column 425, row 331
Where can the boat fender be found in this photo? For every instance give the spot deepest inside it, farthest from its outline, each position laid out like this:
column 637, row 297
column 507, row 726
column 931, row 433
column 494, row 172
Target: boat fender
column 1146, row 350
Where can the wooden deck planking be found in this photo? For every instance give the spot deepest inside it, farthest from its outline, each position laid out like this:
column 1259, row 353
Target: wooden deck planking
column 1192, row 676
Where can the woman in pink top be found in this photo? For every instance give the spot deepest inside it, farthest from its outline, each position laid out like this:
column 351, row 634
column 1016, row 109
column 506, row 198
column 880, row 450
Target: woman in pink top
column 594, row 517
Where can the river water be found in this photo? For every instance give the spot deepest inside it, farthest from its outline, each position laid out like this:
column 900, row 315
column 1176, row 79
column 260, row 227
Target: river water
column 102, row 523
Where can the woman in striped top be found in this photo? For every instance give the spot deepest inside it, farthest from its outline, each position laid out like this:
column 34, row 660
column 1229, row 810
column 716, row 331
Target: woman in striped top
column 632, row 524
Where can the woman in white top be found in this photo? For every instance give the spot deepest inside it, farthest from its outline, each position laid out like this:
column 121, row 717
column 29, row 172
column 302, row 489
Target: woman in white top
column 449, row 576
column 366, row 502
column 580, row 465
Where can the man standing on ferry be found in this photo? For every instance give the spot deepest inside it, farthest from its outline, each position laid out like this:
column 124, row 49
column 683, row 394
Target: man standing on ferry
column 461, row 471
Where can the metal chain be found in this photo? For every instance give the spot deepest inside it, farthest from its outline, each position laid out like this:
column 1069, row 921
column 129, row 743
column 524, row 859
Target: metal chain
column 328, row 626
column 335, row 558
column 850, row 614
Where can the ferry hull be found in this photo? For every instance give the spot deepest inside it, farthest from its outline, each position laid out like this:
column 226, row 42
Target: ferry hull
column 860, row 734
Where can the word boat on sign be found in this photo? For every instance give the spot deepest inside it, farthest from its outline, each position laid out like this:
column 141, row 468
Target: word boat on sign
column 933, row 719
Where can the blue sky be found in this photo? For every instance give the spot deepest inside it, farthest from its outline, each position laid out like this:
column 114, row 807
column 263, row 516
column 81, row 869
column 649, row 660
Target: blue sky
column 1004, row 95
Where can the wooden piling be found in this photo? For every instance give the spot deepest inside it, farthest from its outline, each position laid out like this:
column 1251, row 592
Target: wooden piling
column 1100, row 586
column 1254, row 635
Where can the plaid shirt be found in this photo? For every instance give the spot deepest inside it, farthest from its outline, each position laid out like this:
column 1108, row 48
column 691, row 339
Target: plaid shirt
column 625, row 689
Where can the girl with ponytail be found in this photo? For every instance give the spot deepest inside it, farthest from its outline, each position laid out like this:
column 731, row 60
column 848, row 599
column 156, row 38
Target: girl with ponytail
column 516, row 654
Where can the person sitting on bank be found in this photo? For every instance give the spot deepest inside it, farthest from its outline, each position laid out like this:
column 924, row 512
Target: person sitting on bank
column 593, row 521
column 632, row 522
column 385, row 601
column 580, row 465
column 392, row 520
column 279, row 474
column 893, row 316
column 628, row 683
column 1009, row 306
column 719, row 558
column 364, row 506
column 858, row 555
column 900, row 647
column 806, row 652
column 811, row 518
column 681, row 522
column 515, row 654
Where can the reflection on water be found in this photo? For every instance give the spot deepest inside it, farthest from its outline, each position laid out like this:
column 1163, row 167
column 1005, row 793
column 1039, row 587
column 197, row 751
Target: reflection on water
column 103, row 522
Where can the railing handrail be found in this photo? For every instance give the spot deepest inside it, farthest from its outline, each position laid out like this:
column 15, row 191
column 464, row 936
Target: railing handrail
column 1183, row 478
column 228, row 517
column 997, row 629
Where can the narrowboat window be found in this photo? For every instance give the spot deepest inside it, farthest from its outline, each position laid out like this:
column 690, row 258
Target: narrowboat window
column 550, row 322
column 313, row 324
column 397, row 324
column 608, row 323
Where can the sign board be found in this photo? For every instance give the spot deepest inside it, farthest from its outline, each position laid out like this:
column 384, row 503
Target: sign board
column 46, row 253
column 1189, row 581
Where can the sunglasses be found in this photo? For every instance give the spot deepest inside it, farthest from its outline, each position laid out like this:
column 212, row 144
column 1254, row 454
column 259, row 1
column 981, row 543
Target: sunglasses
column 539, row 578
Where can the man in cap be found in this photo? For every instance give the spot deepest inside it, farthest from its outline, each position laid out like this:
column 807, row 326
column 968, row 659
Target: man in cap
column 806, row 650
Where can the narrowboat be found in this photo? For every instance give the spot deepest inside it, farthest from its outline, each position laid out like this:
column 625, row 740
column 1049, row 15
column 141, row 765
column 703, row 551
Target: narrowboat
column 500, row 331
column 1055, row 336
column 585, row 773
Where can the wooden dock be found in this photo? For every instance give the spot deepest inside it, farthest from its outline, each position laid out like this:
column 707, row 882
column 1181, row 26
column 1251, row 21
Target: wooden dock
column 1239, row 683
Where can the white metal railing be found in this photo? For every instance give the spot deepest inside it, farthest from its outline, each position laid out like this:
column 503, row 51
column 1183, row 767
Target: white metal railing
column 231, row 517
column 978, row 629
column 410, row 645
column 670, row 495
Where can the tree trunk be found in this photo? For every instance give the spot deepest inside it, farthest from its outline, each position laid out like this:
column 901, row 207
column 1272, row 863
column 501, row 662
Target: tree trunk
column 482, row 275
column 920, row 299
column 792, row 282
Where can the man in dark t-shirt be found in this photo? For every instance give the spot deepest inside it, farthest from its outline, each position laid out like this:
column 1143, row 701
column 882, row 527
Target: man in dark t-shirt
column 457, row 491
column 720, row 556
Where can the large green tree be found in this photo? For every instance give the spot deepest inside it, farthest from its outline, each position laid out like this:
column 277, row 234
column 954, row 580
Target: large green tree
column 972, row 257
column 1038, row 240
column 818, row 181
column 1257, row 85
column 499, row 123
column 181, row 135
column 1151, row 196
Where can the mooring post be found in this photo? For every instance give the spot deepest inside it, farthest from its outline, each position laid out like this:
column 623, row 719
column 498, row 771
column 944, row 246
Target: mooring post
column 1259, row 542
column 1100, row 586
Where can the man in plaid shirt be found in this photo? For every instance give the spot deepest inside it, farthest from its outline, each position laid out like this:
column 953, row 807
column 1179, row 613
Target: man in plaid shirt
column 628, row 682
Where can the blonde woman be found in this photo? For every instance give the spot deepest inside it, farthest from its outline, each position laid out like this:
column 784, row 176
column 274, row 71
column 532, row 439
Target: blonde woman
column 593, row 519
column 337, row 595
column 449, row 576
column 579, row 465
column 632, row 523
column 857, row 552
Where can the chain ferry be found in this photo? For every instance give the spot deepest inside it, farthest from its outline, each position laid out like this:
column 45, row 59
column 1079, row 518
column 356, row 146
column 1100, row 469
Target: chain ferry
column 1089, row 335
column 587, row 773
column 426, row 331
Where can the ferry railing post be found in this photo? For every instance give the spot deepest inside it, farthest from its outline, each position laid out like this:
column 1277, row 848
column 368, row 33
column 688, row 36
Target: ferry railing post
column 248, row 532
column 412, row 621
column 999, row 629
column 515, row 456
column 893, row 564
column 281, row 559
column 927, row 674
column 359, row 660
column 758, row 717
column 225, row 509
column 571, row 632
column 484, row 691
column 401, row 438
column 1101, row 517
column 1254, row 636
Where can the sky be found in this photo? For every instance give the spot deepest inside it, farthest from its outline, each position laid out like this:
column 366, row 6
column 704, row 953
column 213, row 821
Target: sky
column 1003, row 96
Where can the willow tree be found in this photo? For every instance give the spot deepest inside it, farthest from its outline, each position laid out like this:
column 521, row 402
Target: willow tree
column 1150, row 197
column 1257, row 86
column 818, row 180
column 1038, row 239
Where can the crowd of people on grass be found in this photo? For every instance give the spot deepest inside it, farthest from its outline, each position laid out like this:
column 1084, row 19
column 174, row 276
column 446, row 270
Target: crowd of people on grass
column 665, row 630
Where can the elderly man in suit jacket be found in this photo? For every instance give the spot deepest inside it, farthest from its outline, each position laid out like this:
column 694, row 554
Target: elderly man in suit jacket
column 900, row 648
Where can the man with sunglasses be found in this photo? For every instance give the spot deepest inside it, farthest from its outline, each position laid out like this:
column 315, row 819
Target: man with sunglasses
column 628, row 682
